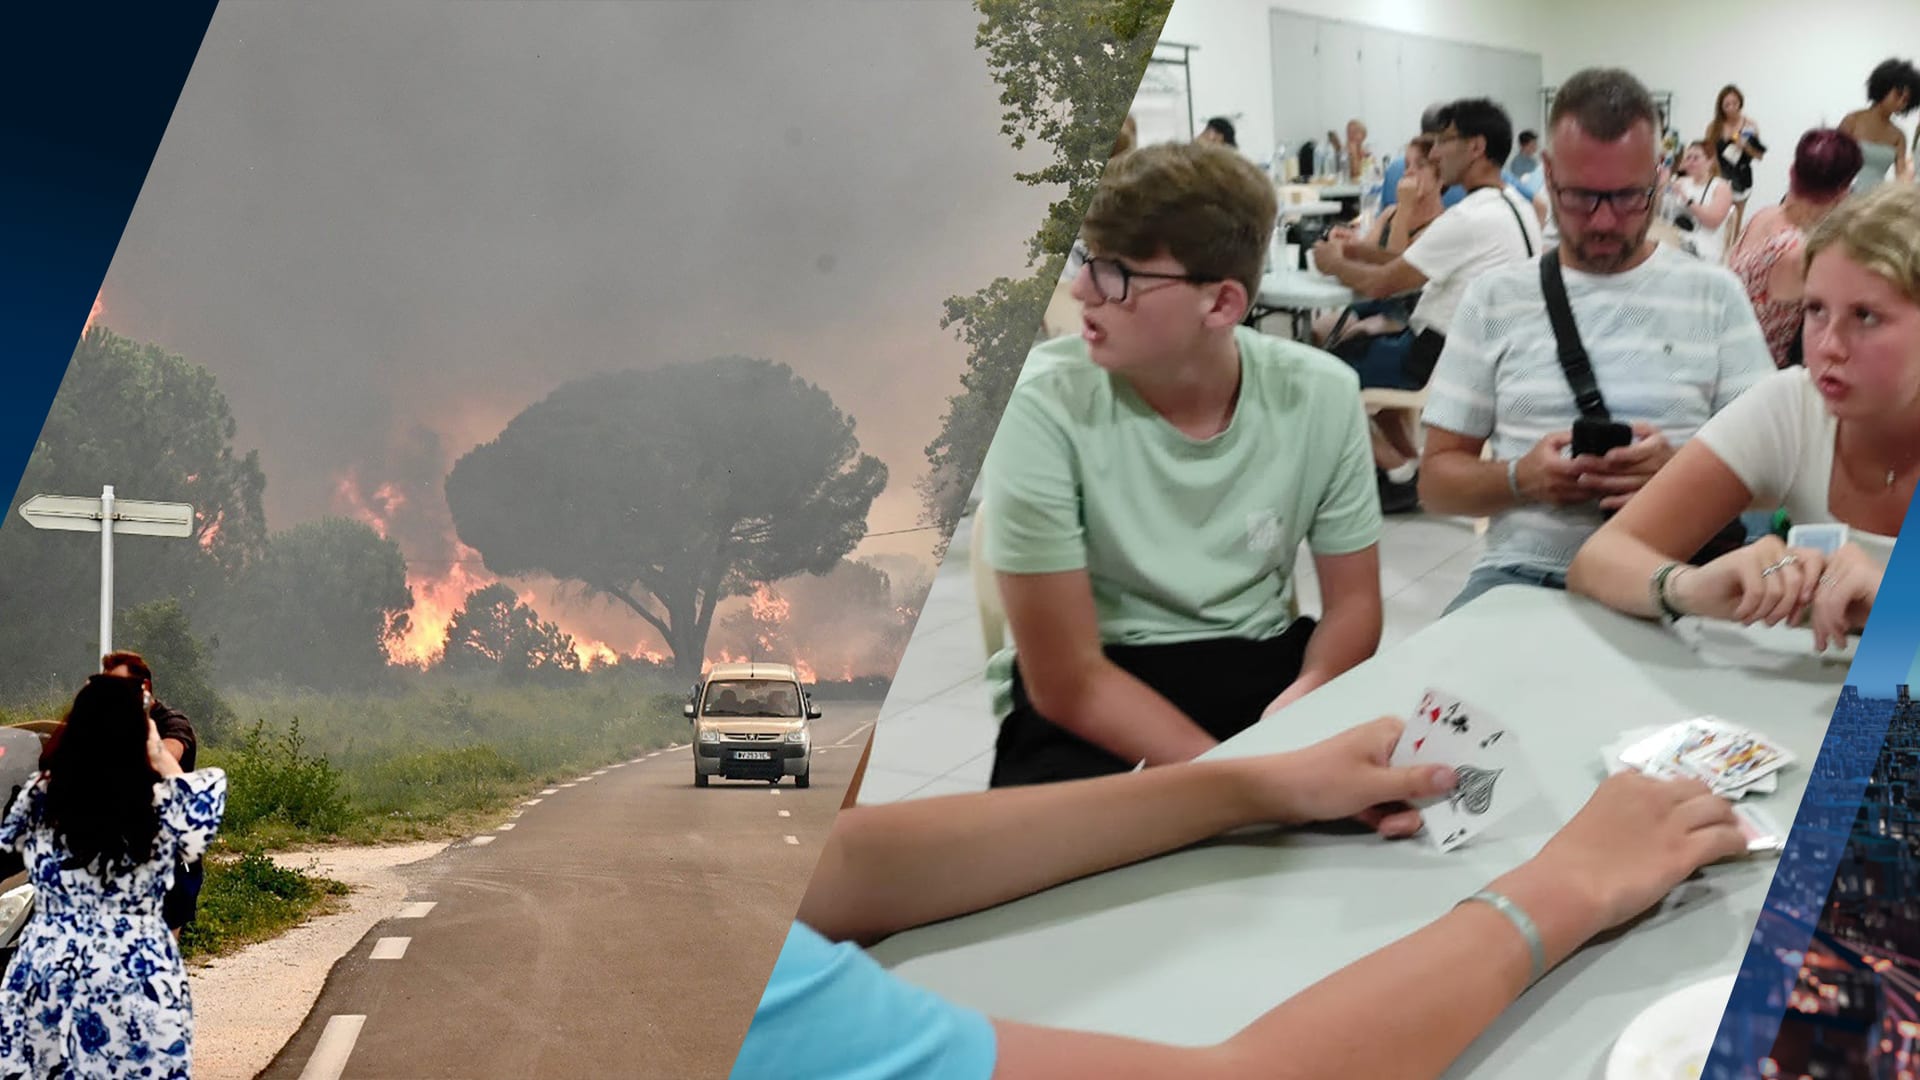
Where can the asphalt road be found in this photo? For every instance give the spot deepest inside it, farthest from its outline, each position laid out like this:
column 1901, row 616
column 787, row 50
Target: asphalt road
column 622, row 926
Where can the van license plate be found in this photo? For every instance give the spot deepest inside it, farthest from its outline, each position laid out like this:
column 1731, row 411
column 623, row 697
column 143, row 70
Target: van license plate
column 753, row 755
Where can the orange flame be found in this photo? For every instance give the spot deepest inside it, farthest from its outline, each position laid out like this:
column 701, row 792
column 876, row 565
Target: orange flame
column 439, row 590
column 593, row 654
column 435, row 600
column 210, row 535
column 93, row 315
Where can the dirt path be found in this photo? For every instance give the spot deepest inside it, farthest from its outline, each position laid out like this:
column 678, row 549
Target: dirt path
column 247, row 1005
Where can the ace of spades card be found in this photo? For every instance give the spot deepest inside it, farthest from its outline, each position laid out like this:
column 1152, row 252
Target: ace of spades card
column 1491, row 778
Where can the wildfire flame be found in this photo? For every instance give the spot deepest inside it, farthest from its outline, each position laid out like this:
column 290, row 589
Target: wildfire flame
column 93, row 315
column 442, row 572
column 210, row 534
column 440, row 588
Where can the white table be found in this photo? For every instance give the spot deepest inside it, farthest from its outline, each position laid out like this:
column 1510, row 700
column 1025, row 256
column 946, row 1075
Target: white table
column 1191, row 947
column 1298, row 293
column 1309, row 209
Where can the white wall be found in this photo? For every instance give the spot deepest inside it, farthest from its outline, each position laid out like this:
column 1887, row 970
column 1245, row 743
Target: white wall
column 1800, row 65
column 1233, row 72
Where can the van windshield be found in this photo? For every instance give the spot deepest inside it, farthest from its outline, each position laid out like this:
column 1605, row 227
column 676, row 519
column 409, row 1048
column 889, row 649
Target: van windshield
column 752, row 697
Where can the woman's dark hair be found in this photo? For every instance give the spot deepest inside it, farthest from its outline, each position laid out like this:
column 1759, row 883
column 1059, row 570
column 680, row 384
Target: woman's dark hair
column 1223, row 127
column 99, row 781
column 1824, row 164
column 1891, row 75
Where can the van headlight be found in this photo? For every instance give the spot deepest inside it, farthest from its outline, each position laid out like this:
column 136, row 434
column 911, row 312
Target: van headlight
column 798, row 736
column 709, row 735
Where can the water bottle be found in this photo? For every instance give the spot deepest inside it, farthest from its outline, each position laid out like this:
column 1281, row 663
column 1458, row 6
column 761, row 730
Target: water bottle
column 1279, row 165
column 1372, row 186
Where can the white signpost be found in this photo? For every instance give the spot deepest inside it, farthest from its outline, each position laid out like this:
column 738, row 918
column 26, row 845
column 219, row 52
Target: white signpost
column 107, row 515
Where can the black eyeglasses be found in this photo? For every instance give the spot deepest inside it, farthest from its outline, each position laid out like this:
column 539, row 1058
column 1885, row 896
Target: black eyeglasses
column 1113, row 280
column 1624, row 201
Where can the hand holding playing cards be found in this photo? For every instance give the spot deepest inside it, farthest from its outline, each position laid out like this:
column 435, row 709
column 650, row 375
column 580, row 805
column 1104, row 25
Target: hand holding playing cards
column 1349, row 776
column 1763, row 582
column 1635, row 840
column 1843, row 595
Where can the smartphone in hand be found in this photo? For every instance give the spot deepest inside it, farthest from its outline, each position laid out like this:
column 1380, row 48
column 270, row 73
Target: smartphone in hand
column 1593, row 438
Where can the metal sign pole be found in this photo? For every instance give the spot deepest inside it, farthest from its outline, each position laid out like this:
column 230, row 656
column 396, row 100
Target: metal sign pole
column 133, row 517
column 106, row 570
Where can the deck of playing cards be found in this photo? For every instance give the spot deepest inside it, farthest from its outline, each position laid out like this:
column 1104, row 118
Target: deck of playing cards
column 1824, row 538
column 1491, row 777
column 1731, row 759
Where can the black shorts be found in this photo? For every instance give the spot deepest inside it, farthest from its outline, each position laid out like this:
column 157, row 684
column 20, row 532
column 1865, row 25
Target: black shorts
column 1223, row 685
column 183, row 900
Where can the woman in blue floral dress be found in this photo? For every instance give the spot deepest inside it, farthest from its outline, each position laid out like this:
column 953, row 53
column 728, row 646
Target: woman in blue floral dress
column 97, row 988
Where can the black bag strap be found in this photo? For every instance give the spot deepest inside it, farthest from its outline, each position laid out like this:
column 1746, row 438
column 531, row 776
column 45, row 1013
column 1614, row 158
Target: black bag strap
column 1573, row 354
column 1525, row 236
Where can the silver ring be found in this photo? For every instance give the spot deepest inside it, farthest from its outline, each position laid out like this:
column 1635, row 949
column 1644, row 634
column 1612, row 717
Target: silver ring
column 1785, row 561
column 1826, row 580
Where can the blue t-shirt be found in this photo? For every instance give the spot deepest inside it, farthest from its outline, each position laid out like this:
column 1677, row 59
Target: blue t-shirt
column 831, row 1013
column 1390, row 186
column 1527, row 184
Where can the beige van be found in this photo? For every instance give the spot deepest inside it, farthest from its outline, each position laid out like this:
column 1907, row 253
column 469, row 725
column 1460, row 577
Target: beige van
column 751, row 722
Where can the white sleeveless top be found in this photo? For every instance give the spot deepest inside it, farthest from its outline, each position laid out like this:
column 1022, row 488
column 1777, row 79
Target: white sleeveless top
column 1709, row 245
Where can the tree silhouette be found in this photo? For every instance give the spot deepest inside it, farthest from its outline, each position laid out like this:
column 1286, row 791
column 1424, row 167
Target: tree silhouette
column 319, row 608
column 670, row 489
column 1068, row 71
column 493, row 630
column 157, row 427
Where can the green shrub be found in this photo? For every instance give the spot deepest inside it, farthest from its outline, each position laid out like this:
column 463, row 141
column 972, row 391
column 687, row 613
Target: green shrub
column 273, row 779
column 250, row 898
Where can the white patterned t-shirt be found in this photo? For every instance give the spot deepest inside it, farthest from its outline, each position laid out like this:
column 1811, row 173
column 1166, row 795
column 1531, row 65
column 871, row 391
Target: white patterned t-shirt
column 1672, row 341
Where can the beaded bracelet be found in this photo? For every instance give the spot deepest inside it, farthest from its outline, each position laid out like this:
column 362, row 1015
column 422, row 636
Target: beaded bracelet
column 1657, row 590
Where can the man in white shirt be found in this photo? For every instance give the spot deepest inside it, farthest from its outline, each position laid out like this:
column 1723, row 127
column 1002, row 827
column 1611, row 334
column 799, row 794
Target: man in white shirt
column 1671, row 340
column 1490, row 228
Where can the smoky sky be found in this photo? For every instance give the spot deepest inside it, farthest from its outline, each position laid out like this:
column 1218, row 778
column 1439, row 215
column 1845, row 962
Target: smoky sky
column 387, row 228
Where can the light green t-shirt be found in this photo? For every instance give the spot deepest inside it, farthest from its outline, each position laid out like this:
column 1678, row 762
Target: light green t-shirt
column 1183, row 539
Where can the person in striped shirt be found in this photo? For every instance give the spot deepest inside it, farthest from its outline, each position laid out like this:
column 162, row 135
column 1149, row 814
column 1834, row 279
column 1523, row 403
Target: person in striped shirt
column 1672, row 341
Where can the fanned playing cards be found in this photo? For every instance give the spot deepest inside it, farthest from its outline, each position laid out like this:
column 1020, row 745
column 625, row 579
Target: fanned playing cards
column 1729, row 758
column 1491, row 778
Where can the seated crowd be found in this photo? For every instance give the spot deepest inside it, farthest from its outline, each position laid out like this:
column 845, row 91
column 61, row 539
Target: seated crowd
column 1618, row 408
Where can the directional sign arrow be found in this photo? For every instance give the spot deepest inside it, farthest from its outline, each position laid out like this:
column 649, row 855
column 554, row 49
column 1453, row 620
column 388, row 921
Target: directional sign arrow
column 75, row 513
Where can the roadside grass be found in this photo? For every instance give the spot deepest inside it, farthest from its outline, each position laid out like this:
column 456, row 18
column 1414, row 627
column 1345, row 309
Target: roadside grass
column 247, row 898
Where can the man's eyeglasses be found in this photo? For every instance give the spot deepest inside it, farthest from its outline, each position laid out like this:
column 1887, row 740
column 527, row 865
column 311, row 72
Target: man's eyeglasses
column 1113, row 280
column 1624, row 202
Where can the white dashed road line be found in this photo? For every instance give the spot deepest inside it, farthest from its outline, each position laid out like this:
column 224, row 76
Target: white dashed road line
column 330, row 1054
column 390, row 948
column 853, row 736
column 416, row 910
column 531, row 802
column 784, row 813
column 483, row 841
column 793, row 840
column 551, row 791
column 508, row 827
